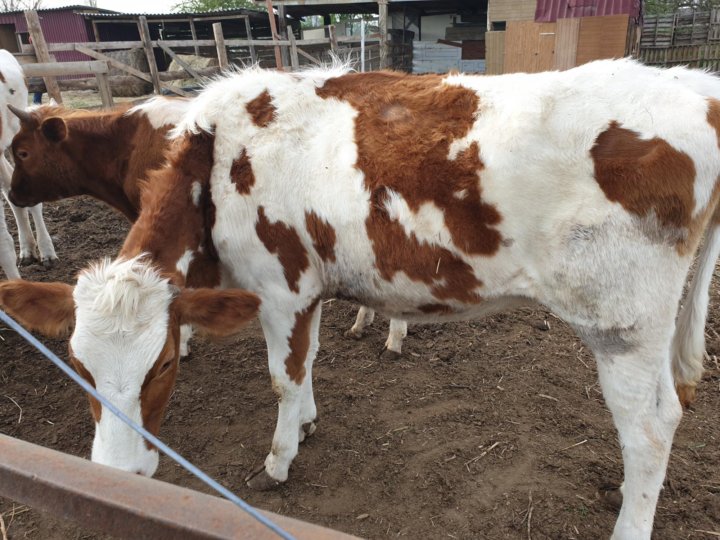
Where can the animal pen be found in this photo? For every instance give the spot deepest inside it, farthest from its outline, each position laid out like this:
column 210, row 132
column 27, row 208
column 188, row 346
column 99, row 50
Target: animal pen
column 281, row 50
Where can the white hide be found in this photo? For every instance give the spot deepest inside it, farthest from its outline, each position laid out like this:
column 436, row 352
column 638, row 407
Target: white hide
column 608, row 273
column 121, row 326
column 162, row 111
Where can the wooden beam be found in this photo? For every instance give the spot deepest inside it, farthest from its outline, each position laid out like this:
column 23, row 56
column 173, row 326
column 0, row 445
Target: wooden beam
column 294, row 60
column 273, row 28
column 193, row 33
column 383, row 23
column 220, row 45
column 187, row 67
column 104, row 88
column 248, row 32
column 42, row 53
column 283, row 34
column 309, row 57
column 147, row 45
column 54, row 69
column 333, row 38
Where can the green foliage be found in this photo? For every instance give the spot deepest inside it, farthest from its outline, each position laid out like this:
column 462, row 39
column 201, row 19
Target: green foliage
column 197, row 6
column 660, row 7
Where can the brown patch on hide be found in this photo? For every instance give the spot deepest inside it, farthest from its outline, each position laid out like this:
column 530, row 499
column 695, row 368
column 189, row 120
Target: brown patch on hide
column 2, row 77
column 170, row 223
column 261, row 109
column 323, row 236
column 241, row 174
column 160, row 381
column 106, row 154
column 95, row 406
column 299, row 342
column 284, row 241
column 404, row 129
column 646, row 176
column 448, row 276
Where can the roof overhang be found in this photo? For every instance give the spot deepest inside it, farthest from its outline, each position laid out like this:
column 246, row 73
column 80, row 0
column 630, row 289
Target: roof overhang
column 302, row 8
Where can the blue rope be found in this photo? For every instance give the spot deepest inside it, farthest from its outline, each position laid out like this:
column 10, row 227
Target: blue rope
column 142, row 431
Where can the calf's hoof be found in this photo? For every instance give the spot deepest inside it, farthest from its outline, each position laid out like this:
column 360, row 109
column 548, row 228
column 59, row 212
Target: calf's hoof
column 355, row 334
column 49, row 262
column 390, row 355
column 611, row 496
column 687, row 394
column 27, row 260
column 260, row 480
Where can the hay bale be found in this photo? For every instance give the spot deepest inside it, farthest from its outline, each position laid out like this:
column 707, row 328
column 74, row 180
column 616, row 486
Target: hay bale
column 121, row 83
column 195, row 62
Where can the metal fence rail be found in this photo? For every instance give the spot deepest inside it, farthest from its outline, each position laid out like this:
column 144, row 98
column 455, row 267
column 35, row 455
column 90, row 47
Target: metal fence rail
column 128, row 505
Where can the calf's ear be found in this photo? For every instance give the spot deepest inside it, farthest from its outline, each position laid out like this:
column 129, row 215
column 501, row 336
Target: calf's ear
column 47, row 308
column 54, row 129
column 218, row 313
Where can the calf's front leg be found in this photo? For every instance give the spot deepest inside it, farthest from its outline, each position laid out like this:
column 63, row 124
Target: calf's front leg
column 292, row 341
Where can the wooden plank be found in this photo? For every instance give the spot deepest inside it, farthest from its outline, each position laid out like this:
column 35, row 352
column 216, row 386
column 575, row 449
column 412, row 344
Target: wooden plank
column 494, row 52
column 55, row 69
column 309, row 56
column 187, row 67
column 283, row 33
column 248, row 35
column 42, row 53
column 147, row 45
column 529, row 47
column 193, row 34
column 383, row 28
column 602, row 37
column 566, row 42
column 511, row 10
column 273, row 29
column 294, row 60
column 220, row 45
column 104, row 87
column 333, row 38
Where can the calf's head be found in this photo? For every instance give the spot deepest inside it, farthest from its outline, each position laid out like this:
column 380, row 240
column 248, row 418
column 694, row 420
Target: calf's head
column 125, row 342
column 47, row 161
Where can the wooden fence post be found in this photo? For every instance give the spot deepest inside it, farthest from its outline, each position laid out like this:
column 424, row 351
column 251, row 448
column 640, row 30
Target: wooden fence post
column 220, row 45
column 248, row 31
column 147, row 45
column 383, row 23
column 41, row 52
column 294, row 60
column 273, row 29
column 283, row 31
column 333, row 38
column 104, row 87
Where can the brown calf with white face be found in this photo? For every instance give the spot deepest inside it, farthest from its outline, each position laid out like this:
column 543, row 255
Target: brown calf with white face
column 106, row 154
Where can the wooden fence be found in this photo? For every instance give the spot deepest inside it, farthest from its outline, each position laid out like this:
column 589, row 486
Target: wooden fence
column 266, row 52
column 688, row 38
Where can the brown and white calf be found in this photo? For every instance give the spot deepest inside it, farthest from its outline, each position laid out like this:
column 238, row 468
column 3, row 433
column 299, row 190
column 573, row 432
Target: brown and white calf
column 430, row 199
column 61, row 153
column 13, row 92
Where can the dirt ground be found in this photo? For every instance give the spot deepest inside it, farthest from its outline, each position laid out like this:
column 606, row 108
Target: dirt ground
column 485, row 429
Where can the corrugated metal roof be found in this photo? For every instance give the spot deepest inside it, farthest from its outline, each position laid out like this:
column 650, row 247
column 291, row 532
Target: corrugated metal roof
column 207, row 14
column 551, row 10
column 76, row 7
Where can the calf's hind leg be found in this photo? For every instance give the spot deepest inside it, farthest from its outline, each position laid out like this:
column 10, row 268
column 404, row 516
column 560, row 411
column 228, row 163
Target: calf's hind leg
column 637, row 383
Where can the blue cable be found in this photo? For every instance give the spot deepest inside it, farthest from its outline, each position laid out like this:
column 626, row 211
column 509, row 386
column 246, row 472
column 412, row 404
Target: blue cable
column 142, row 431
